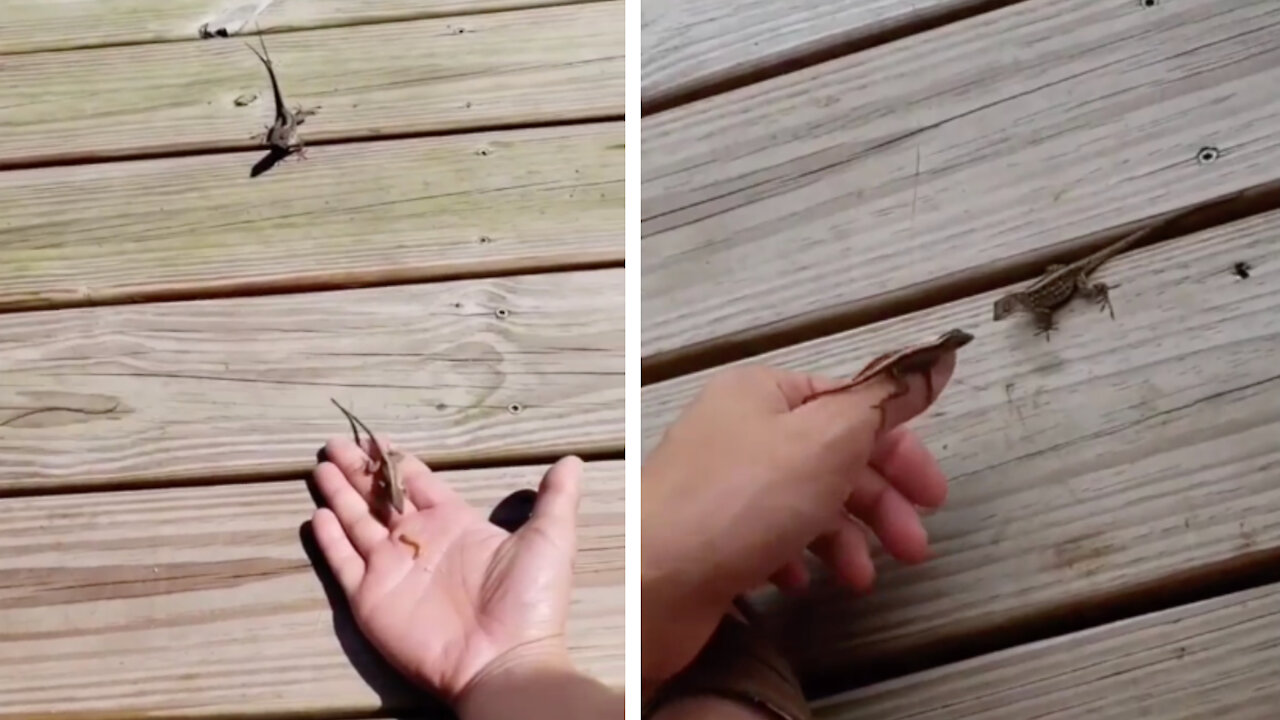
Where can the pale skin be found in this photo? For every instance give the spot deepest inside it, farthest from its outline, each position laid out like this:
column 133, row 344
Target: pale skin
column 754, row 479
column 478, row 616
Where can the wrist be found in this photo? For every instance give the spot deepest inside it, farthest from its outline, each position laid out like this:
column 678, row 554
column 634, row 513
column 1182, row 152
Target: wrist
column 677, row 619
column 679, row 604
column 534, row 681
column 740, row 667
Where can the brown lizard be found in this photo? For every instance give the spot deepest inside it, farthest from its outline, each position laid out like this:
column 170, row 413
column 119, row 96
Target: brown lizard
column 902, row 362
column 282, row 135
column 1061, row 282
column 383, row 463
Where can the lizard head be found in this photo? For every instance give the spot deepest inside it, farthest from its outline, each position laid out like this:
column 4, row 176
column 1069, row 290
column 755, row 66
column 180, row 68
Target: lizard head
column 1008, row 305
column 955, row 339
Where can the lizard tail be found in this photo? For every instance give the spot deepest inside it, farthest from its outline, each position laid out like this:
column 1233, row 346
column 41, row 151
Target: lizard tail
column 352, row 420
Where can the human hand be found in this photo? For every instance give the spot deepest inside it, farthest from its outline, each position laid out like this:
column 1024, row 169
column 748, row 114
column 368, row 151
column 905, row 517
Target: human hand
column 750, row 476
column 478, row 603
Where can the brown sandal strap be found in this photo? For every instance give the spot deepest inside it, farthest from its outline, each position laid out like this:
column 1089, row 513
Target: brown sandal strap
column 738, row 664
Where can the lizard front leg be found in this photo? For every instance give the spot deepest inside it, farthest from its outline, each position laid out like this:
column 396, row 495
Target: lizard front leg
column 902, row 387
column 1097, row 292
column 300, row 114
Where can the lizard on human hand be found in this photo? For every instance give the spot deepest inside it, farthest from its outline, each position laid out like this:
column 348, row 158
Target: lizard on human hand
column 1059, row 283
column 282, row 135
column 898, row 364
column 383, row 463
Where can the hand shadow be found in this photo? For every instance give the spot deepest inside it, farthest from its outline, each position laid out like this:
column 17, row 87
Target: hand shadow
column 399, row 697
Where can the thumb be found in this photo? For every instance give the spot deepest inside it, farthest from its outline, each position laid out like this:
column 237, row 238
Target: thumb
column 556, row 511
column 884, row 401
column 851, row 417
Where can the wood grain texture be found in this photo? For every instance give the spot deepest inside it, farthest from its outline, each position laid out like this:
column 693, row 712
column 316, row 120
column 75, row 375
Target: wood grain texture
column 493, row 369
column 1116, row 455
column 199, row 601
column 529, row 66
column 34, row 25
column 351, row 214
column 690, row 44
column 1213, row 659
column 882, row 175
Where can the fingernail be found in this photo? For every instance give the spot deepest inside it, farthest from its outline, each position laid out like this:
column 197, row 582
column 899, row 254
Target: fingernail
column 321, row 455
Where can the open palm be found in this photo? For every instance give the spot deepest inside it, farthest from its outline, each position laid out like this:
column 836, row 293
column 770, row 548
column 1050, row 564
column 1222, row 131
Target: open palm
column 475, row 595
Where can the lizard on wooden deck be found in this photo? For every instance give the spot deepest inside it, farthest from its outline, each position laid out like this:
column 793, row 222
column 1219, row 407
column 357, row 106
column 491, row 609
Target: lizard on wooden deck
column 1060, row 283
column 282, row 135
column 383, row 463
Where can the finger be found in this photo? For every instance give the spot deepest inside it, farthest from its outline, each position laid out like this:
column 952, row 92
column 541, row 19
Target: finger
column 352, row 511
column 847, row 552
column 351, row 459
column 347, row 565
column 903, row 460
column 894, row 520
column 901, row 409
column 847, row 419
column 791, row 578
column 424, row 488
column 556, row 511
column 797, row 387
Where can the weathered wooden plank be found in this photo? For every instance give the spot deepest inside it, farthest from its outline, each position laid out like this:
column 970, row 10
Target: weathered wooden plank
column 691, row 44
column 528, row 66
column 198, row 601
column 1116, row 455
column 1212, row 659
column 354, row 213
column 879, row 177
column 501, row 368
column 33, row 25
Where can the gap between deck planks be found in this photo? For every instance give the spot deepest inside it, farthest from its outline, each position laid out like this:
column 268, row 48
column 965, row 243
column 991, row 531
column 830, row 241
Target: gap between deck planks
column 354, row 214
column 492, row 370
column 544, row 65
column 1212, row 659
column 38, row 25
column 1117, row 455
column 825, row 191
column 697, row 47
column 202, row 601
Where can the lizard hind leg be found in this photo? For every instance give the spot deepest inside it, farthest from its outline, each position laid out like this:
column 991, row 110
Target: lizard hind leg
column 1044, row 323
column 371, row 466
column 900, row 388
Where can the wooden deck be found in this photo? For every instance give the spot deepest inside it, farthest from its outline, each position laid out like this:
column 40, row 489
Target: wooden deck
column 1115, row 500
column 446, row 261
